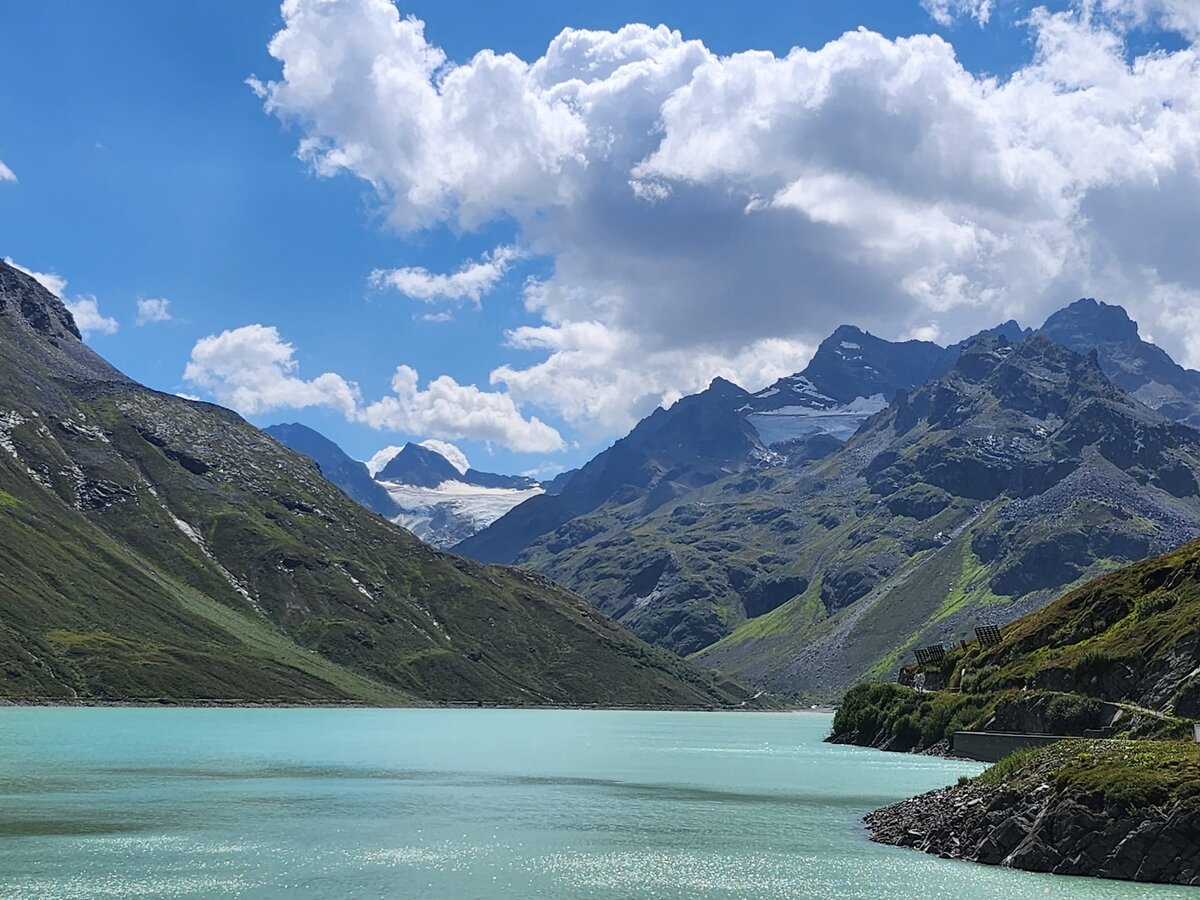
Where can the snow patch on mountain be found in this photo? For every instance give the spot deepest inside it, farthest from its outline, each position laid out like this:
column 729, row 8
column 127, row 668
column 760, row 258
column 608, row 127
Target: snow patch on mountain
column 453, row 511
column 793, row 422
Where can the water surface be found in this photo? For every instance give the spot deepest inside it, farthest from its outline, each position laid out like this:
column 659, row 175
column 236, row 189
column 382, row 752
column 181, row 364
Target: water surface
column 465, row 803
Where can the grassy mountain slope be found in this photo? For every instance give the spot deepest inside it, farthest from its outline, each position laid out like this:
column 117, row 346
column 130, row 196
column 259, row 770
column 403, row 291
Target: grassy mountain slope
column 1130, row 639
column 152, row 547
column 1131, row 636
column 980, row 496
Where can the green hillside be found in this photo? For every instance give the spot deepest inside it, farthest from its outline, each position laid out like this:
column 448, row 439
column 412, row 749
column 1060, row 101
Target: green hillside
column 155, row 547
column 1123, row 650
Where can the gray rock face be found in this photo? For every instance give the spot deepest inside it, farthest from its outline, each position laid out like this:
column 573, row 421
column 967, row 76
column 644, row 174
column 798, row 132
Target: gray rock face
column 347, row 473
column 1134, row 365
column 1047, row 829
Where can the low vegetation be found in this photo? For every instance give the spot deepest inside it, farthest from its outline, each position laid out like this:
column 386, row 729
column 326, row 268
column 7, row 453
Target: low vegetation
column 894, row 717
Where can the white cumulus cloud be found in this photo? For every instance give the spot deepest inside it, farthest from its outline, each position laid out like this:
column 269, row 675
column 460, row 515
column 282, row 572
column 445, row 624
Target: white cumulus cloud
column 471, row 282
column 152, row 310
column 454, row 411
column 6, row 174
column 86, row 310
column 706, row 214
column 253, row 370
column 453, row 454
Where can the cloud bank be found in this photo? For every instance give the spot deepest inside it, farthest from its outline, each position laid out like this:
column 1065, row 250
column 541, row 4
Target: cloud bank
column 707, row 214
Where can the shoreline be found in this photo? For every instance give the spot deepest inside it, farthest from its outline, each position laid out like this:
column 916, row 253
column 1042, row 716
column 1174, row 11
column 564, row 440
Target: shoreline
column 169, row 703
column 1109, row 809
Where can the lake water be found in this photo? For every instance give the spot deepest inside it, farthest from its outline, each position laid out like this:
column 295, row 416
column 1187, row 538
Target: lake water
column 465, row 803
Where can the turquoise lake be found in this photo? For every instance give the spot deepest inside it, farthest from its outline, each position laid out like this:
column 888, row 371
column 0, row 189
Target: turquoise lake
column 465, row 803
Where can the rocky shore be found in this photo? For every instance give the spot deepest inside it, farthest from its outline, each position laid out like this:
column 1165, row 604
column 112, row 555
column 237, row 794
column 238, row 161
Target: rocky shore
column 1038, row 815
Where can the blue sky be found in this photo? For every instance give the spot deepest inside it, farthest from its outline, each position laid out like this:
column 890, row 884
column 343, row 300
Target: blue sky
column 146, row 168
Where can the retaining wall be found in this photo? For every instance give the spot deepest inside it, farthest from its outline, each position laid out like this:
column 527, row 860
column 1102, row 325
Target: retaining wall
column 992, row 746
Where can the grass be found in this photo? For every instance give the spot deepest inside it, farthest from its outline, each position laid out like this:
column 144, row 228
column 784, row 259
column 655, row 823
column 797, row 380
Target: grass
column 971, row 586
column 1136, row 615
column 1129, row 776
column 1001, row 772
column 1133, row 774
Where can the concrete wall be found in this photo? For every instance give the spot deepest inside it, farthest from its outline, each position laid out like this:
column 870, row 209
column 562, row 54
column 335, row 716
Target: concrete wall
column 992, row 746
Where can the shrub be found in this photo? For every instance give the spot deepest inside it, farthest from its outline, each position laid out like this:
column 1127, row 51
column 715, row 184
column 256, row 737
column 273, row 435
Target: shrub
column 906, row 731
column 1073, row 714
column 973, row 679
column 1093, row 661
column 1149, row 606
column 911, row 719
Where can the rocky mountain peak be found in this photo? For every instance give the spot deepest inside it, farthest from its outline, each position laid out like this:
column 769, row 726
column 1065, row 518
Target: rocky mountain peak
column 853, row 363
column 23, row 297
column 419, row 466
column 1142, row 369
column 1036, row 374
column 722, row 387
column 1089, row 321
column 37, row 330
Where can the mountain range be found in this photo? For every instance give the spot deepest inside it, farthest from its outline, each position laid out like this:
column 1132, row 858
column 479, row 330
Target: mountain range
column 157, row 548
column 797, row 538
column 998, row 472
column 724, row 430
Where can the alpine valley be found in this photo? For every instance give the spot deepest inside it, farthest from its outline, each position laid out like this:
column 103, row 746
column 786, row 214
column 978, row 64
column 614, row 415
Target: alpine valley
column 889, row 496
column 157, row 548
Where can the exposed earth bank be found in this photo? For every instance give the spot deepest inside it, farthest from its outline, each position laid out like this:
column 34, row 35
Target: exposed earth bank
column 1108, row 809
